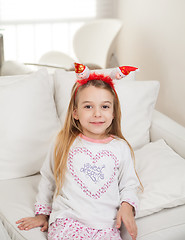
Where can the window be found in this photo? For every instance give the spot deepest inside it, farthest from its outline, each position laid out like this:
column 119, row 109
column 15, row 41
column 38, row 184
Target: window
column 31, row 28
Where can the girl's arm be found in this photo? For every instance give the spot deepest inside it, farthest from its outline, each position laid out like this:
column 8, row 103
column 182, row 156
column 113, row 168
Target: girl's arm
column 46, row 186
column 127, row 180
column 44, row 197
column 126, row 215
column 128, row 184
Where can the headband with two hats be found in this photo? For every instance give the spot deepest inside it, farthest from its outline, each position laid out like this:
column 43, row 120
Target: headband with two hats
column 84, row 75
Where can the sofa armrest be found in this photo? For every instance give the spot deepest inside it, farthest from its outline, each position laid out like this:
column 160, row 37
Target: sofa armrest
column 169, row 130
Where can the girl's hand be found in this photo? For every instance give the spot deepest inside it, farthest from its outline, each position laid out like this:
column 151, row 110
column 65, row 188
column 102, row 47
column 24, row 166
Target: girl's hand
column 28, row 223
column 126, row 215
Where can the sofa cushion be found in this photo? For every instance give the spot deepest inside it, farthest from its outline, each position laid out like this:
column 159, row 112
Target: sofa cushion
column 161, row 172
column 137, row 100
column 28, row 123
column 18, row 202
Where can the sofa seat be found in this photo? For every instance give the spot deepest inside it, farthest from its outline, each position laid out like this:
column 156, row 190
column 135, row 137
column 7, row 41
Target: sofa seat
column 168, row 222
column 3, row 233
column 17, row 200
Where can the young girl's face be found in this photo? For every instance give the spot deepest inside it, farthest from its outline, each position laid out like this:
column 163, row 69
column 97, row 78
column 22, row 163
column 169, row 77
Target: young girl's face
column 94, row 111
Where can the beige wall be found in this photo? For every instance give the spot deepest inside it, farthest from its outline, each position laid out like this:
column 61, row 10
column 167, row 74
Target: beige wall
column 153, row 38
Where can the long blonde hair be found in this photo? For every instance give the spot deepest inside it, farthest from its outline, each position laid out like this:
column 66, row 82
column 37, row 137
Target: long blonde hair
column 72, row 129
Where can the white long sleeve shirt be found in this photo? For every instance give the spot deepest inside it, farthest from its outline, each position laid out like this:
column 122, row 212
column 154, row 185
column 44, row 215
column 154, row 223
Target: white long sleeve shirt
column 100, row 175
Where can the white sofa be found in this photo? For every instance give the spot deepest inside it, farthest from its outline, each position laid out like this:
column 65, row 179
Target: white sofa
column 33, row 107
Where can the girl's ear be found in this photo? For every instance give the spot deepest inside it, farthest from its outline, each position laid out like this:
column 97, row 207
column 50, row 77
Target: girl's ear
column 75, row 114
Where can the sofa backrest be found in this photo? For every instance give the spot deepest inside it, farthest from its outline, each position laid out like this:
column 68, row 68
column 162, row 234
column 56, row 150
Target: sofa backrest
column 33, row 109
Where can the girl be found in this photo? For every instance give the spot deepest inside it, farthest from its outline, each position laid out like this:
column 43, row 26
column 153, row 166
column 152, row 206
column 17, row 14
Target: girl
column 88, row 185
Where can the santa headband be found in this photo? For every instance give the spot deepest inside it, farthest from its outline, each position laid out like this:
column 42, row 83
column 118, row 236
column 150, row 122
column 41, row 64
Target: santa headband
column 84, row 75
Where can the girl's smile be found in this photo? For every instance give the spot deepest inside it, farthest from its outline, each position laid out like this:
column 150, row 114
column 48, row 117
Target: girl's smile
column 97, row 123
column 94, row 111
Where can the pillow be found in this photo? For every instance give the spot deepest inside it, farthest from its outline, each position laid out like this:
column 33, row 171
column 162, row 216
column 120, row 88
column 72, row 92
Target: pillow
column 137, row 100
column 28, row 123
column 161, row 172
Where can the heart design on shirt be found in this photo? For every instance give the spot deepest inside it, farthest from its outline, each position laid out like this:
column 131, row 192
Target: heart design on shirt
column 93, row 173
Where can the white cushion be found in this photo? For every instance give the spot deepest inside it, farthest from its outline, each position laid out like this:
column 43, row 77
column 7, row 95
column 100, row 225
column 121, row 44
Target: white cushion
column 18, row 202
column 137, row 100
column 161, row 172
column 3, row 233
column 166, row 224
column 28, row 123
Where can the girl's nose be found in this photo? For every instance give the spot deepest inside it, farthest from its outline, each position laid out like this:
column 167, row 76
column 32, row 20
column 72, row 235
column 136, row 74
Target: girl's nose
column 97, row 112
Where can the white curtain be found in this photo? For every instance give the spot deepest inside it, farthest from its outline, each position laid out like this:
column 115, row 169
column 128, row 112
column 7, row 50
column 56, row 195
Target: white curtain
column 31, row 28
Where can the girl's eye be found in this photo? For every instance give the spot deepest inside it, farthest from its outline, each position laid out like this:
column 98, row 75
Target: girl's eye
column 105, row 106
column 88, row 106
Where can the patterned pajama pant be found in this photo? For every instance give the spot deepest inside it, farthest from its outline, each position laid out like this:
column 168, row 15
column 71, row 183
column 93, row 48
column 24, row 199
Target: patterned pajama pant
column 69, row 229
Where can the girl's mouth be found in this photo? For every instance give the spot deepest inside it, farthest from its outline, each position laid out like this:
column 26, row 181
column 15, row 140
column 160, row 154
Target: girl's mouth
column 97, row 123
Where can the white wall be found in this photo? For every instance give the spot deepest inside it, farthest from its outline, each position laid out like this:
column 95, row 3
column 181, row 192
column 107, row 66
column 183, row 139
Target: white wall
column 153, row 39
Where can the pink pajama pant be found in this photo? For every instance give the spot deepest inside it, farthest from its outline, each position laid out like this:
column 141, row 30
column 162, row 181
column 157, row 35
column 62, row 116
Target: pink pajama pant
column 69, row 229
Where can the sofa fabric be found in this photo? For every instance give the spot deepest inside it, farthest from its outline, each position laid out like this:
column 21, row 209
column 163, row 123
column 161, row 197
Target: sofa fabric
column 28, row 123
column 33, row 108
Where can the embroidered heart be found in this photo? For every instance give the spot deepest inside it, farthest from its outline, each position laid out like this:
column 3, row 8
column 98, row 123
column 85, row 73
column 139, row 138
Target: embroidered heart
column 94, row 174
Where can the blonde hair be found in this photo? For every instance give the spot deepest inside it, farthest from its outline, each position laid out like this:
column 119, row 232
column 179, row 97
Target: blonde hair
column 72, row 128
